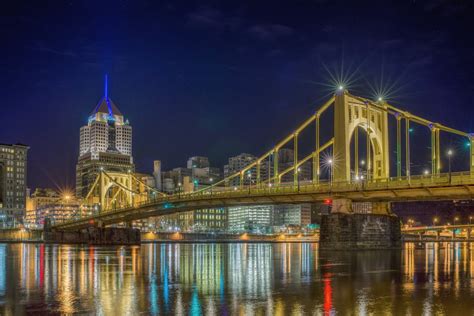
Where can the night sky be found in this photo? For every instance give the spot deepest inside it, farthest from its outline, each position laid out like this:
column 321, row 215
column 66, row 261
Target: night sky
column 219, row 78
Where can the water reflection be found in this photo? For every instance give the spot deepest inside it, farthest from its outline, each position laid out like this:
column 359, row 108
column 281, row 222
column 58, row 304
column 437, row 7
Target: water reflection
column 224, row 279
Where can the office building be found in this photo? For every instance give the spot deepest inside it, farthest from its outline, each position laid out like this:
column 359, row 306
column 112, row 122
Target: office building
column 198, row 162
column 13, row 166
column 286, row 160
column 256, row 219
column 236, row 164
column 105, row 144
column 295, row 216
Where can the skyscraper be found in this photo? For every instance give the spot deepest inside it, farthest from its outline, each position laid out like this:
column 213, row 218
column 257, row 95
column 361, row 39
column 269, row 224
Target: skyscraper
column 13, row 159
column 105, row 142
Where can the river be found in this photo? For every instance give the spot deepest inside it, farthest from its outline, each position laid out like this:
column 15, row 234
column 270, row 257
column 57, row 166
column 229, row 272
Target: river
column 235, row 278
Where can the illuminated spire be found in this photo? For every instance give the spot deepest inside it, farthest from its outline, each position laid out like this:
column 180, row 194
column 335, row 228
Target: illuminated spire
column 106, row 88
column 105, row 104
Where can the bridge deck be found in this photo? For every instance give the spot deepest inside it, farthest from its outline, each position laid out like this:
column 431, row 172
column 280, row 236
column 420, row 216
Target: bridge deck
column 443, row 186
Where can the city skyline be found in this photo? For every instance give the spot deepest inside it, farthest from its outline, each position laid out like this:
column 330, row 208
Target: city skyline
column 244, row 73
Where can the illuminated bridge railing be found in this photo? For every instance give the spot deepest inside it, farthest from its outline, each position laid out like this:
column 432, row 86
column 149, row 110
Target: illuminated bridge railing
column 458, row 178
column 286, row 189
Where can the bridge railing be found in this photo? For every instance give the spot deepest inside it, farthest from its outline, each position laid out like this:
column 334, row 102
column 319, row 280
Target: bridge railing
column 455, row 178
column 445, row 179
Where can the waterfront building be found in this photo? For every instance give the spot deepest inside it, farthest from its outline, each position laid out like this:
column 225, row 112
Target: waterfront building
column 295, row 216
column 202, row 220
column 58, row 207
column 13, row 167
column 198, row 174
column 258, row 219
column 61, row 211
column 105, row 144
column 39, row 198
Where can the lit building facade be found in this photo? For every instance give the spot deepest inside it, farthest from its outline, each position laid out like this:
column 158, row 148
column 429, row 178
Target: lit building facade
column 38, row 199
column 61, row 211
column 236, row 164
column 257, row 219
column 198, row 175
column 297, row 216
column 105, row 143
column 203, row 220
column 13, row 166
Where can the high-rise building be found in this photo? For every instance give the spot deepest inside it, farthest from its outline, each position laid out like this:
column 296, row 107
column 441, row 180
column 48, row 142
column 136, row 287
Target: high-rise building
column 13, row 163
column 157, row 175
column 285, row 161
column 236, row 164
column 198, row 162
column 105, row 143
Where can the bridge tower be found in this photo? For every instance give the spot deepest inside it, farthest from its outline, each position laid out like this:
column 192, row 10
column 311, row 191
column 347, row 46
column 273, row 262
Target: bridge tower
column 115, row 187
column 350, row 113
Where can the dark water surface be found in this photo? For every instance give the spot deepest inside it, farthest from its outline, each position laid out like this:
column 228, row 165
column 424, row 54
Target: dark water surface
column 230, row 279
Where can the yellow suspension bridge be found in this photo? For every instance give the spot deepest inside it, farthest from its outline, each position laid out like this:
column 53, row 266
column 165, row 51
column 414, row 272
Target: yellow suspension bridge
column 123, row 198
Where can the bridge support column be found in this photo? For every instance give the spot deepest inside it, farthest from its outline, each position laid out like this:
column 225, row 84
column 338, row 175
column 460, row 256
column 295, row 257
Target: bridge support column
column 343, row 231
column 438, row 235
column 468, row 234
column 381, row 208
column 341, row 206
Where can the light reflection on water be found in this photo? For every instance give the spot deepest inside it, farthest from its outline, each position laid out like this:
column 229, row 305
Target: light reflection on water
column 226, row 279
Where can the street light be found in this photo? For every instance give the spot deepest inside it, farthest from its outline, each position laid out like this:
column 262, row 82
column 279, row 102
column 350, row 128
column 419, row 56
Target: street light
column 450, row 153
column 456, row 218
column 210, row 180
column 362, row 164
column 435, row 221
column 470, row 219
column 330, row 170
column 179, row 190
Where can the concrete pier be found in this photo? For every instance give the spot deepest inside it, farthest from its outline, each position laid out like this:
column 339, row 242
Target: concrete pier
column 94, row 236
column 341, row 231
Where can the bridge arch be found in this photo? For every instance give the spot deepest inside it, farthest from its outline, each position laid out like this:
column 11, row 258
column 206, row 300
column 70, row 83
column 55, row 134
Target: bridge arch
column 115, row 186
column 350, row 113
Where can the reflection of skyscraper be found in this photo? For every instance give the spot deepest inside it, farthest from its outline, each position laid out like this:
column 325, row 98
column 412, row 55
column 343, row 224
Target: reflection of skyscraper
column 105, row 142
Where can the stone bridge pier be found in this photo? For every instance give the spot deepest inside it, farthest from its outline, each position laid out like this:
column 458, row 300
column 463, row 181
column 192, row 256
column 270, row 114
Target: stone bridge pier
column 344, row 229
column 94, row 235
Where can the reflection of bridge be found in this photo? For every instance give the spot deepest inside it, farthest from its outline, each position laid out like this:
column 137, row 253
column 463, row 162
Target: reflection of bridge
column 338, row 176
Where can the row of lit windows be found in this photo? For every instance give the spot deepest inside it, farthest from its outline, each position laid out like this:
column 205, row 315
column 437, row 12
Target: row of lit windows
column 211, row 217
